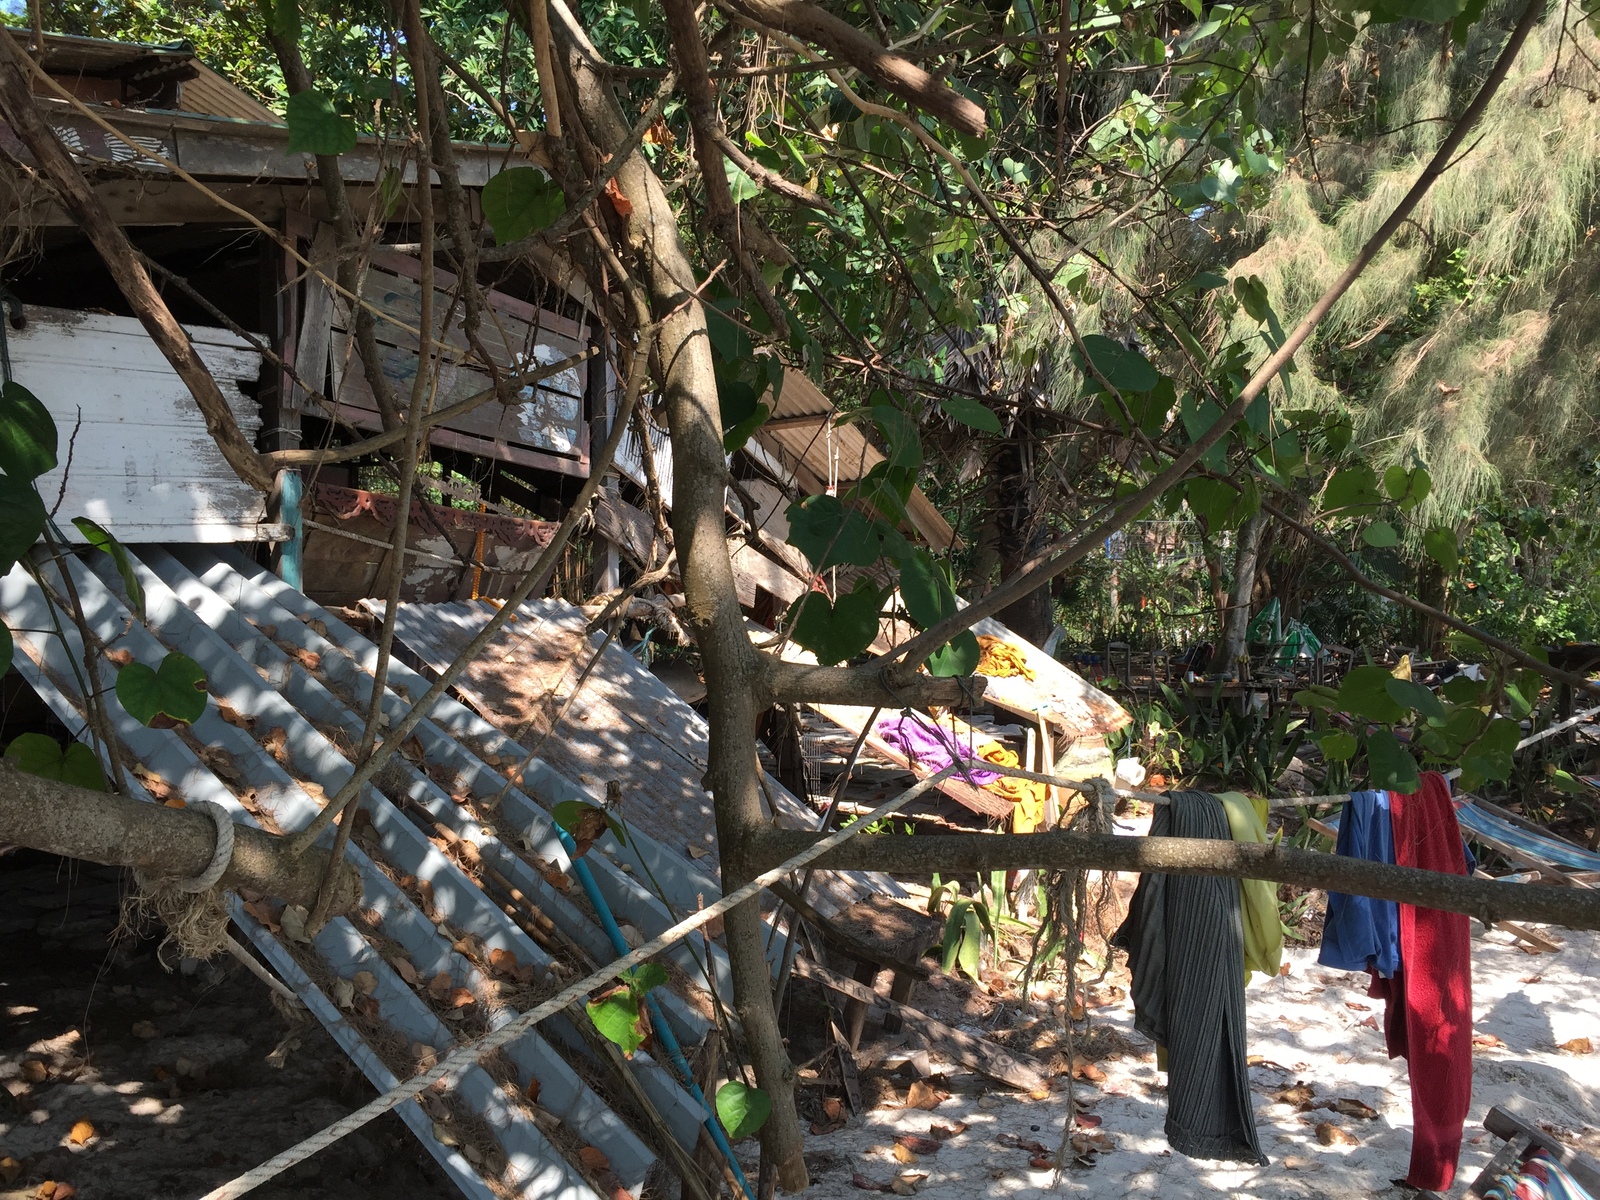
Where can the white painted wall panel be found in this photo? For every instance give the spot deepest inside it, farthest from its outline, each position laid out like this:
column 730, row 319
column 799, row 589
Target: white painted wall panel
column 142, row 464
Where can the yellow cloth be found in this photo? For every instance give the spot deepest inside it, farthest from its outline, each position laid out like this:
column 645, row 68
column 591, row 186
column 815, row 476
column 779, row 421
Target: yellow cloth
column 1263, row 931
column 1027, row 795
column 1001, row 659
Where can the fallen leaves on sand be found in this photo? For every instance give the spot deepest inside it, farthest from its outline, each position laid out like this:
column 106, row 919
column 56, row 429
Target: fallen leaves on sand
column 923, row 1094
column 1579, row 1045
column 1330, row 1134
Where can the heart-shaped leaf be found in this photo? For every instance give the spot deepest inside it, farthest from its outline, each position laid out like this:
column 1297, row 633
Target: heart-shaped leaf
column 22, row 519
column 970, row 413
column 101, row 539
column 1337, row 745
column 520, row 200
column 616, row 1016
column 742, row 1109
column 840, row 631
column 925, row 589
column 1124, row 369
column 1414, row 695
column 43, row 756
column 316, row 127
column 1365, row 693
column 27, row 434
column 1389, row 764
column 830, row 535
column 173, row 693
column 959, row 656
column 1380, row 535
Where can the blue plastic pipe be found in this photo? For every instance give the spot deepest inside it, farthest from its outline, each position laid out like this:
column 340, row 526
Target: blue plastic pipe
column 658, row 1020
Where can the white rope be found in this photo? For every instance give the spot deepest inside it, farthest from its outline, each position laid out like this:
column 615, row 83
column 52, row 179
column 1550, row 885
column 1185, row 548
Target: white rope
column 221, row 853
column 465, row 1056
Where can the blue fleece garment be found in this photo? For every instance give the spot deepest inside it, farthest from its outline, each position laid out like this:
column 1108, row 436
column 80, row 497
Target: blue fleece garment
column 1359, row 933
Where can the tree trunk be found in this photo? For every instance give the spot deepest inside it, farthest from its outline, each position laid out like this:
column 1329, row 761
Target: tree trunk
column 169, row 843
column 732, row 666
column 1236, row 621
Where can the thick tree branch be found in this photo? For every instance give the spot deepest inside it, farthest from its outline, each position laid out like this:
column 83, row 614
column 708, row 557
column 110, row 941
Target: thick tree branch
column 122, row 261
column 1485, row 899
column 894, row 71
column 741, row 238
column 170, row 843
column 770, row 180
column 804, row 683
column 1056, row 559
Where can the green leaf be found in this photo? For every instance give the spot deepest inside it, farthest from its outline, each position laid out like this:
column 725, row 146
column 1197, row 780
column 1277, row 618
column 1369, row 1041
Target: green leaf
column 1440, row 543
column 102, row 539
column 1389, row 764
column 959, row 656
column 1352, row 492
column 645, row 976
column 1252, row 296
column 570, row 815
column 925, row 589
column 316, row 127
column 837, row 632
column 1414, row 695
column 900, row 432
column 617, row 1018
column 282, row 17
column 830, row 535
column 43, row 756
column 1365, row 693
column 741, row 410
column 1407, row 488
column 969, row 957
column 951, row 945
column 173, row 693
column 1519, row 704
column 1126, row 370
column 1337, row 745
column 519, row 201
column 27, row 434
column 1380, row 535
column 970, row 413
column 742, row 1109
column 22, row 519
column 1462, row 690
column 1317, row 696
column 740, row 185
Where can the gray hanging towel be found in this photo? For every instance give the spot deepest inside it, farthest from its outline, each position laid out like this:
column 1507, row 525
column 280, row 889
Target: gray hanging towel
column 1185, row 944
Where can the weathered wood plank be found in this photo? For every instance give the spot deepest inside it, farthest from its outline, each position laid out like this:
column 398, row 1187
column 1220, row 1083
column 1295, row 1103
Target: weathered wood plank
column 142, row 459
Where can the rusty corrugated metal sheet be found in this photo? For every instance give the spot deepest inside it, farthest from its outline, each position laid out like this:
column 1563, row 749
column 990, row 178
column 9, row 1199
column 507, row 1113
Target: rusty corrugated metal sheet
column 212, row 95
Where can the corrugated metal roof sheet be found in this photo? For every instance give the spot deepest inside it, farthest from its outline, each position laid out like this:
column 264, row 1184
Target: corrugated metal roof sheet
column 297, row 681
column 211, row 94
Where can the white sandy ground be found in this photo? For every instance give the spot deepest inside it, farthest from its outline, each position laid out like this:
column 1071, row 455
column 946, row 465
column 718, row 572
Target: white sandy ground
column 1299, row 1022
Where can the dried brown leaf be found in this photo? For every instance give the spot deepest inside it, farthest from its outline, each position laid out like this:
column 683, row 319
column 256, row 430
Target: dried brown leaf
column 918, row 1144
column 1330, row 1134
column 1578, row 1045
column 404, row 969
column 1354, row 1108
column 923, row 1094
column 81, row 1132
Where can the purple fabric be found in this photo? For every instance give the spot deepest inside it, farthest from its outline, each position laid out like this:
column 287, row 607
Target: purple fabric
column 932, row 748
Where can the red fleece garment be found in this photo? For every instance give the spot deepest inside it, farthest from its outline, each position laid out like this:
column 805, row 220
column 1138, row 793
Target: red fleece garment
column 1429, row 1016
